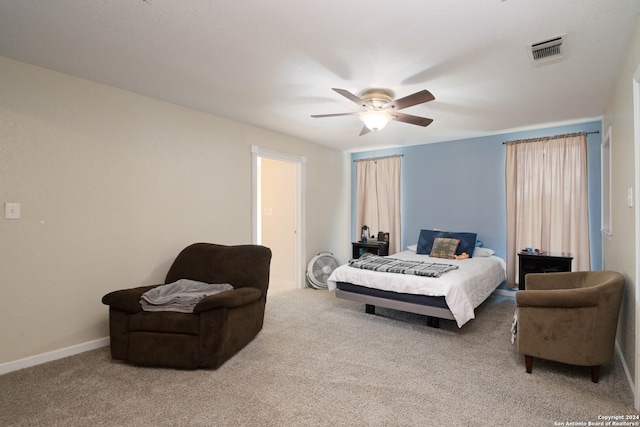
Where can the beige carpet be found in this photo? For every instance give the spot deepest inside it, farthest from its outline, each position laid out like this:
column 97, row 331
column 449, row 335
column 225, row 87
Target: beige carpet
column 320, row 361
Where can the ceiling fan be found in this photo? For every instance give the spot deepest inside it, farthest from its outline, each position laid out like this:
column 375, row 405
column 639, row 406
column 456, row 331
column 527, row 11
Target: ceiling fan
column 381, row 108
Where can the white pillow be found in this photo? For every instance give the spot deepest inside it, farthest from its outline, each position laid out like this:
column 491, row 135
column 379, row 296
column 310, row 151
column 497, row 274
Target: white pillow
column 412, row 247
column 483, row 252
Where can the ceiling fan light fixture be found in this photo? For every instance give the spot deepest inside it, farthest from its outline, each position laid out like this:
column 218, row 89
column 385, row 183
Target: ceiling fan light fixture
column 375, row 120
column 379, row 103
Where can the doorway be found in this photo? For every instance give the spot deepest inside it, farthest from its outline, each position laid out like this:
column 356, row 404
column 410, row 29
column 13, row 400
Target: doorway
column 277, row 215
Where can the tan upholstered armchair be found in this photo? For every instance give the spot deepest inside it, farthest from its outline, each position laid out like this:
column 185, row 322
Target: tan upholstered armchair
column 219, row 326
column 569, row 317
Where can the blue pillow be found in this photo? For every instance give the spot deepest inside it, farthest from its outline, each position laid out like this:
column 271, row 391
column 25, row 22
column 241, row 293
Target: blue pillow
column 425, row 241
column 467, row 241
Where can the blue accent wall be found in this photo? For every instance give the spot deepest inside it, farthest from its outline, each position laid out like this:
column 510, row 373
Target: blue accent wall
column 460, row 186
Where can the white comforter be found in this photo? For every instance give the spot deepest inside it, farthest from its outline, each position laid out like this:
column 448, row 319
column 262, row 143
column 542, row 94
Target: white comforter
column 463, row 289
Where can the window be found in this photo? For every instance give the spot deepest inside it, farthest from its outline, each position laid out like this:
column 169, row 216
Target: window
column 378, row 197
column 547, row 198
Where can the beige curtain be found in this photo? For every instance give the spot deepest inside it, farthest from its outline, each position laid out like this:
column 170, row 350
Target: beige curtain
column 378, row 198
column 547, row 206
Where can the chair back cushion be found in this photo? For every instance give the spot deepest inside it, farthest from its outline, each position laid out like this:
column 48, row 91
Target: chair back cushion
column 240, row 265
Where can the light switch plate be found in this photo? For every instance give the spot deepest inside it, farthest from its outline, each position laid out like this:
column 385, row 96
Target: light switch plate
column 12, row 210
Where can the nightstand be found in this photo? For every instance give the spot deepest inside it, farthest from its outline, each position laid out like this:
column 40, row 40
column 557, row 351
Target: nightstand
column 376, row 248
column 544, row 262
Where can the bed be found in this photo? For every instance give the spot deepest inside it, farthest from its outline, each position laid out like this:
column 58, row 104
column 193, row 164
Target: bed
column 453, row 295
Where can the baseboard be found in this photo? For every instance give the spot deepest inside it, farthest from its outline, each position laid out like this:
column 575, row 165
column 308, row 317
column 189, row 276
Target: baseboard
column 626, row 370
column 50, row 356
column 505, row 293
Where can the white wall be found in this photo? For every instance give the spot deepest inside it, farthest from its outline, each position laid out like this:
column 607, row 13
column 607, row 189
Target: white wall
column 619, row 252
column 112, row 185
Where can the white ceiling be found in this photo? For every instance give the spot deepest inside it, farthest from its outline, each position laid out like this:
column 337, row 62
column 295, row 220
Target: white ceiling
column 272, row 63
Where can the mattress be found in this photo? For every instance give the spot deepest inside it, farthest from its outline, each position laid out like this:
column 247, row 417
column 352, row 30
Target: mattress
column 463, row 289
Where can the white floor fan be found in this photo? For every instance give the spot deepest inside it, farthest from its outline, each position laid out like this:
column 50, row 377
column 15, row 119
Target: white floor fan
column 320, row 268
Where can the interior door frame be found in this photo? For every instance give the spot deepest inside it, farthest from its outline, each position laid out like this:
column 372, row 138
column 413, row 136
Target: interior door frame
column 636, row 137
column 300, row 162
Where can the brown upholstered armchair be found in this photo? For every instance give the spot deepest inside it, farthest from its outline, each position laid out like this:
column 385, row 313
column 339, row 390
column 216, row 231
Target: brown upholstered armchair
column 569, row 317
column 220, row 325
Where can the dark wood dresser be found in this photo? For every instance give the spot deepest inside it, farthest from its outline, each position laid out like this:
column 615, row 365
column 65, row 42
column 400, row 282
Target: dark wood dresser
column 543, row 262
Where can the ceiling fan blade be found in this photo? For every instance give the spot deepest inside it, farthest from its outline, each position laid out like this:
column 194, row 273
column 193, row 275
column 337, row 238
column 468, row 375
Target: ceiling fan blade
column 352, row 97
column 333, row 115
column 413, row 120
column 410, row 100
column 365, row 130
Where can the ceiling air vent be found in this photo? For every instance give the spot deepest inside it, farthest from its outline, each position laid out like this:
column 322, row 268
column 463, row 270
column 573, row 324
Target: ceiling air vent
column 547, row 51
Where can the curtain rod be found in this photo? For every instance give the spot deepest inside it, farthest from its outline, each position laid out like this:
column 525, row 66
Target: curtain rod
column 379, row 158
column 544, row 138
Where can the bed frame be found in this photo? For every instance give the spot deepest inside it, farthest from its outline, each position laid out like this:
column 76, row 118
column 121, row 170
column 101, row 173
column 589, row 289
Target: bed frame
column 435, row 308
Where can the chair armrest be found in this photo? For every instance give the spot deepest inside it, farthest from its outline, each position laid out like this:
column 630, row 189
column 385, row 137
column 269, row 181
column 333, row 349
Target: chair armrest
column 126, row 299
column 228, row 299
column 566, row 298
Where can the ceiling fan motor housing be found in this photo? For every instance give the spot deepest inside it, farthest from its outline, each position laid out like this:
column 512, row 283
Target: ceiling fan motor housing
column 377, row 98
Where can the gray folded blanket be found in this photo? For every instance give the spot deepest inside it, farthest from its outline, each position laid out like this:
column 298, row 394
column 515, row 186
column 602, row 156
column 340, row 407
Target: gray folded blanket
column 181, row 296
column 394, row 265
